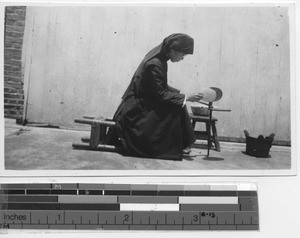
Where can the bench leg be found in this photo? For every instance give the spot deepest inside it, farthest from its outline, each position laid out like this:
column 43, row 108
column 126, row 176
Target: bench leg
column 110, row 148
column 103, row 130
column 95, row 135
column 99, row 134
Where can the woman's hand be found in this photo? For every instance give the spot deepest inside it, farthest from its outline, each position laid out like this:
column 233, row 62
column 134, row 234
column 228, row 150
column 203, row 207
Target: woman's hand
column 194, row 97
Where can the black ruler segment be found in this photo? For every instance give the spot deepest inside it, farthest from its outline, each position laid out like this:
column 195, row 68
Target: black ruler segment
column 209, row 207
column 170, row 193
column 223, row 193
column 248, row 203
column 116, row 192
column 38, row 191
column 29, row 198
column 60, row 206
column 144, row 193
column 197, row 193
column 32, row 206
column 247, row 193
column 75, row 206
column 90, row 192
column 63, row 191
column 129, row 206
column 13, row 191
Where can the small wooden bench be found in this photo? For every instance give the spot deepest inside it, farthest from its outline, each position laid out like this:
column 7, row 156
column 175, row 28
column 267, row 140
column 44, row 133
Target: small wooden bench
column 99, row 129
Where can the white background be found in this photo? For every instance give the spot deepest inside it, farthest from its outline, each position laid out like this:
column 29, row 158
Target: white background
column 279, row 196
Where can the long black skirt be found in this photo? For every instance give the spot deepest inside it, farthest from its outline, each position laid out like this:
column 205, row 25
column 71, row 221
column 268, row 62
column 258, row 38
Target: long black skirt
column 154, row 131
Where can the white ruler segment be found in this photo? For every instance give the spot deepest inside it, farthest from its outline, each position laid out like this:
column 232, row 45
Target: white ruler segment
column 148, row 207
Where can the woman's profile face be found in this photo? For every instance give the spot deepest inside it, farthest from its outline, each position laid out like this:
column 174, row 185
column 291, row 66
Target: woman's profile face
column 176, row 56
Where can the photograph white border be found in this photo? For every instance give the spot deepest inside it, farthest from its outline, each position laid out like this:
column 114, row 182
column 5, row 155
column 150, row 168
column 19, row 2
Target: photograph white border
column 161, row 173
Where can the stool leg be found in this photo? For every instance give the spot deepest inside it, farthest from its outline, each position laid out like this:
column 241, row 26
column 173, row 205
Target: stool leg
column 207, row 128
column 208, row 137
column 215, row 137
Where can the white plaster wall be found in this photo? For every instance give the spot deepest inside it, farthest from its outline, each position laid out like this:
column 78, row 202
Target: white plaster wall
column 79, row 60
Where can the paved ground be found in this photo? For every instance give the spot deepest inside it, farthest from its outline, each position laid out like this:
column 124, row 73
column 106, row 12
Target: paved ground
column 35, row 148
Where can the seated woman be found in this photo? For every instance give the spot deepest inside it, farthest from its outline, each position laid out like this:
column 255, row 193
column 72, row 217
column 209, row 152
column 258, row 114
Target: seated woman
column 152, row 119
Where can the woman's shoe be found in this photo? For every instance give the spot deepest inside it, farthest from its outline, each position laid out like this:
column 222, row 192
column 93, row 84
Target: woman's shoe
column 186, row 151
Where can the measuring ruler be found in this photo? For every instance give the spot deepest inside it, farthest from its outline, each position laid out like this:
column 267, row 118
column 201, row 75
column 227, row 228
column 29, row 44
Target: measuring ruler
column 129, row 206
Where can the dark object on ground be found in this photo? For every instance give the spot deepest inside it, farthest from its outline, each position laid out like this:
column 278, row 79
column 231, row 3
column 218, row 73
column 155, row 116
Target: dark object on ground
column 260, row 146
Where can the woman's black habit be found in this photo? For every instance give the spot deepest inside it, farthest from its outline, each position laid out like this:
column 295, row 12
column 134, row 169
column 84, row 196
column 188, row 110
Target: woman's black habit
column 151, row 120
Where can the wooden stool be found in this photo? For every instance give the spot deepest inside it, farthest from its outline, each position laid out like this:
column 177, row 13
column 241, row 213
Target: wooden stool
column 99, row 129
column 210, row 125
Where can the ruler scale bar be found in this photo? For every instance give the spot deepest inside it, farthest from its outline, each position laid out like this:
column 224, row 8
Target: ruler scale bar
column 129, row 206
column 136, row 227
column 138, row 217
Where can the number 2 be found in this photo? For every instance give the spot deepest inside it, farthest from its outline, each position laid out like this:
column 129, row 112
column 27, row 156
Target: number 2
column 126, row 218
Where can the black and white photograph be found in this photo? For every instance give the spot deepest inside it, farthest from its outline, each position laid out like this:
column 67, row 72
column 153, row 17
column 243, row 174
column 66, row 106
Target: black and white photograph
column 143, row 89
